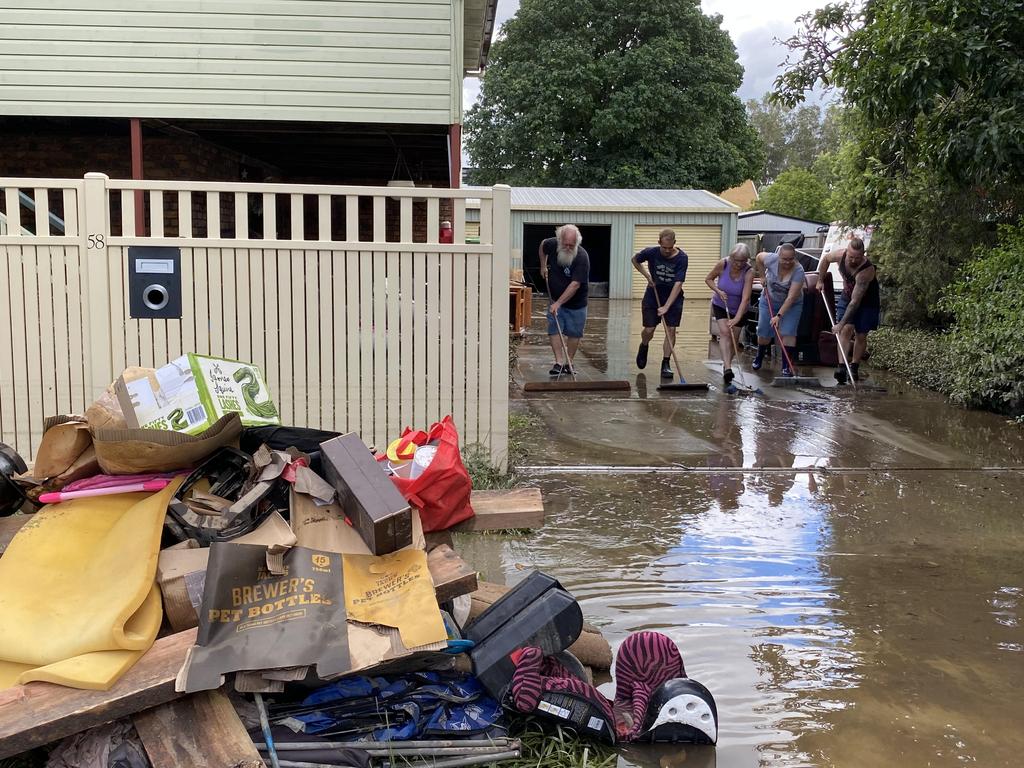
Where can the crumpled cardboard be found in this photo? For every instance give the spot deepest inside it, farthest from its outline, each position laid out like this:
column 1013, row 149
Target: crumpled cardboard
column 133, row 451
column 394, row 590
column 181, row 571
column 106, row 412
column 252, row 619
column 65, row 438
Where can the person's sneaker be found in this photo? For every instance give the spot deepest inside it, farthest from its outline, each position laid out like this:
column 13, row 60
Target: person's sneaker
column 641, row 357
column 787, row 372
column 758, row 360
column 666, row 371
column 556, row 370
column 840, row 375
column 728, row 376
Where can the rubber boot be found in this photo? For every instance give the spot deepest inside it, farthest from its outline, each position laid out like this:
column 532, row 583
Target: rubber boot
column 855, row 367
column 762, row 350
column 641, row 357
column 791, row 355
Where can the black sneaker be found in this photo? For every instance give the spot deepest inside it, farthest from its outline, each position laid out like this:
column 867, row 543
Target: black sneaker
column 641, row 357
column 666, row 371
column 840, row 375
column 728, row 376
column 855, row 367
column 556, row 370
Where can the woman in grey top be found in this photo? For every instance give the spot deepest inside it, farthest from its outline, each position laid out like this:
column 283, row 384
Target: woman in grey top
column 784, row 282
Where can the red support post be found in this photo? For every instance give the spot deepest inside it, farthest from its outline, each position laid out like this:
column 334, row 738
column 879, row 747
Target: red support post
column 455, row 155
column 140, row 198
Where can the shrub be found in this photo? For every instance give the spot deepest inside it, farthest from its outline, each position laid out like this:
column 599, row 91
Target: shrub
column 986, row 302
column 922, row 357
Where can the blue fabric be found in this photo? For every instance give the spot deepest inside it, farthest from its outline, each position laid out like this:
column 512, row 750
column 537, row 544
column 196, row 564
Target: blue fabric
column 787, row 325
column 864, row 319
column 573, row 321
column 664, row 271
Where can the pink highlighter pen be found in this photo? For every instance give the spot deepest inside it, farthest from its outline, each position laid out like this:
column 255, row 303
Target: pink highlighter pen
column 147, row 487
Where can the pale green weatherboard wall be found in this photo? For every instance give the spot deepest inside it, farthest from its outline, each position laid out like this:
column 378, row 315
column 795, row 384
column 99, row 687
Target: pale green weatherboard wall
column 621, row 270
column 323, row 60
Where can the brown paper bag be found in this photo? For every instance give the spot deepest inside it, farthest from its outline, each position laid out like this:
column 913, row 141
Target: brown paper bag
column 135, row 451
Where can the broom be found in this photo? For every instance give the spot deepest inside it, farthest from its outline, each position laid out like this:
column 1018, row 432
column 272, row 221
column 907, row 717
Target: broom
column 574, row 385
column 682, row 385
column 788, row 381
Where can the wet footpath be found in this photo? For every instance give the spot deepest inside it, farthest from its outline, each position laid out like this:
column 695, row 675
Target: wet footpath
column 843, row 570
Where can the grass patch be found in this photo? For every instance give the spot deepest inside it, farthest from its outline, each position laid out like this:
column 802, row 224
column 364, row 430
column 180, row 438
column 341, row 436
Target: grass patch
column 477, row 459
column 551, row 746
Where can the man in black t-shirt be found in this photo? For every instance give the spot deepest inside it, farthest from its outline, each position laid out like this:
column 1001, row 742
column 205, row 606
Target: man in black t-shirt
column 666, row 269
column 565, row 266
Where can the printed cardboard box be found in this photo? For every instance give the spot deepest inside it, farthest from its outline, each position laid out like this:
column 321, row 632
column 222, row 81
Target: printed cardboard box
column 191, row 393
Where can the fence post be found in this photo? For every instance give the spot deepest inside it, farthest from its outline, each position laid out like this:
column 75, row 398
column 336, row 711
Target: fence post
column 95, row 241
column 501, row 237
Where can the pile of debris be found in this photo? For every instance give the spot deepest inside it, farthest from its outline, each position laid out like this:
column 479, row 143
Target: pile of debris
column 203, row 586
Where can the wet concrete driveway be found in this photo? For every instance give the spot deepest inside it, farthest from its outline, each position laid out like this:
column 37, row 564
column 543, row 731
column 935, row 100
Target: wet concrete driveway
column 844, row 572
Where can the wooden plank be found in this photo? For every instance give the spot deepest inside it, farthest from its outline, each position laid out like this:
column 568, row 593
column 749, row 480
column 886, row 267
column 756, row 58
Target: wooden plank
column 324, row 304
column 201, row 300
column 407, row 343
column 339, row 350
column 215, row 309
column 452, row 576
column 394, row 342
column 35, row 714
column 447, row 404
column 269, row 212
column 156, row 213
column 420, row 341
column 517, row 509
column 202, row 729
column 309, row 376
column 70, row 212
column 459, row 339
column 323, row 205
column 381, row 308
column 213, row 216
column 229, row 304
column 297, row 228
column 285, row 336
column 244, row 294
column 437, row 347
column 354, row 403
column 76, row 323
column 184, row 214
column 365, row 378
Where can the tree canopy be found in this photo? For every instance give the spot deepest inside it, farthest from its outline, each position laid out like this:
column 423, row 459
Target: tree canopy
column 933, row 94
column 792, row 137
column 636, row 93
column 796, row 192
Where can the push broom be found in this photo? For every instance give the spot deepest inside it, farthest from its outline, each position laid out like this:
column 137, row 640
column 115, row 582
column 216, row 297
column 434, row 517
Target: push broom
column 794, row 380
column 574, row 385
column 839, row 342
column 681, row 385
column 739, row 362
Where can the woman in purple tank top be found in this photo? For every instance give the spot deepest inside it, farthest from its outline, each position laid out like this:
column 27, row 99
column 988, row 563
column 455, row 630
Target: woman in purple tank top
column 731, row 282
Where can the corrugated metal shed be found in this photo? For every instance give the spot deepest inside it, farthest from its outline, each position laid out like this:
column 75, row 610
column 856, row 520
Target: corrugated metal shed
column 626, row 213
column 649, row 200
column 762, row 221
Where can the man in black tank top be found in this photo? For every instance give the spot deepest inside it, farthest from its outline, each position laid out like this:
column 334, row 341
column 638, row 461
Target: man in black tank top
column 858, row 308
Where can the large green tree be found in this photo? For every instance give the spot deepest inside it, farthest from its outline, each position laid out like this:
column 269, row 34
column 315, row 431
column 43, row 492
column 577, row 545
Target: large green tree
column 934, row 110
column 634, row 93
column 796, row 192
column 792, row 137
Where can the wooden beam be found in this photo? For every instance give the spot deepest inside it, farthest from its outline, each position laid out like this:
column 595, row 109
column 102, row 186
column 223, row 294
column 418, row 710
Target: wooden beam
column 201, row 729
column 519, row 508
column 451, row 574
column 35, row 714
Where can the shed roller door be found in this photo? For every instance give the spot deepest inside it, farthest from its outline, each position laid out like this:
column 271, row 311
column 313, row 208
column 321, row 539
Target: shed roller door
column 702, row 243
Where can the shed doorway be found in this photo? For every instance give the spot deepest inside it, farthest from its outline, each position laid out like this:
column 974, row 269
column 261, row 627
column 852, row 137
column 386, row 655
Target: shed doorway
column 597, row 239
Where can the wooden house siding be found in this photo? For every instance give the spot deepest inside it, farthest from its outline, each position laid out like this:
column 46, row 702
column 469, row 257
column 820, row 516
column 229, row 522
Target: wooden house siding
column 314, row 60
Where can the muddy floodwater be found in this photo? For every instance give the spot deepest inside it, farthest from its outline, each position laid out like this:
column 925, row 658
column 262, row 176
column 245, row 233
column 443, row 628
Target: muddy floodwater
column 844, row 572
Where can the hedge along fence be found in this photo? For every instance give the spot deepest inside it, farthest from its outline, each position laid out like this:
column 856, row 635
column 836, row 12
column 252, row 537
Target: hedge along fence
column 979, row 361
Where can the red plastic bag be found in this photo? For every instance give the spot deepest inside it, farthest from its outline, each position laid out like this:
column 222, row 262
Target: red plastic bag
column 442, row 492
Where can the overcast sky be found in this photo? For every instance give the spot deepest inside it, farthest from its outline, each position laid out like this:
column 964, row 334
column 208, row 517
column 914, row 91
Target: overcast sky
column 753, row 25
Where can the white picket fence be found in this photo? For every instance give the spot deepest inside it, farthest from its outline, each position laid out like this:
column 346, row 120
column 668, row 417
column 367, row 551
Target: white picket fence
column 358, row 324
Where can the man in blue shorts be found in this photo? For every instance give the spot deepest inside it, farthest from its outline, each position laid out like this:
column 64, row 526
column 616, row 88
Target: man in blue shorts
column 858, row 307
column 667, row 265
column 565, row 267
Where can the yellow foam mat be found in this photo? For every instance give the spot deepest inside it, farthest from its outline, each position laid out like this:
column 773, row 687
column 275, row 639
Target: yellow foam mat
column 78, row 604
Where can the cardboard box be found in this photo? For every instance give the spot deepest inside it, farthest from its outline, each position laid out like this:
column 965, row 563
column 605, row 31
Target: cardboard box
column 191, row 393
column 377, row 510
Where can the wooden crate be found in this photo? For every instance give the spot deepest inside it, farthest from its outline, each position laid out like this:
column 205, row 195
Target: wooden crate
column 520, row 306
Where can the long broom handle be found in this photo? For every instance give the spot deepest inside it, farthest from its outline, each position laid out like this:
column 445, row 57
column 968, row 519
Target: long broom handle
column 735, row 347
column 664, row 323
column 839, row 341
column 565, row 349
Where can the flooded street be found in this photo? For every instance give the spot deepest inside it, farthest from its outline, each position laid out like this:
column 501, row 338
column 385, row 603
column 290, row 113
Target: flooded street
column 843, row 571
